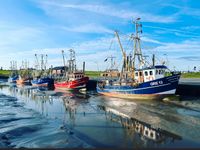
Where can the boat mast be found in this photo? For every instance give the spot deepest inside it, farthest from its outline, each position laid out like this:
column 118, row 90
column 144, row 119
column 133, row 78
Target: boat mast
column 42, row 62
column 137, row 48
column 36, row 62
column 125, row 62
column 72, row 61
column 64, row 63
column 45, row 66
column 111, row 61
column 123, row 52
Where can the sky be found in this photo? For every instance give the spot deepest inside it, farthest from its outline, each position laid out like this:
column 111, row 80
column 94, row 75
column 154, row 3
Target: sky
column 171, row 31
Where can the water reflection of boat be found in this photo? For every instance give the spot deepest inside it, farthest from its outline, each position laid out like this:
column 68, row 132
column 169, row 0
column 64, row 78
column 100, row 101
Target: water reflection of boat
column 143, row 129
column 72, row 101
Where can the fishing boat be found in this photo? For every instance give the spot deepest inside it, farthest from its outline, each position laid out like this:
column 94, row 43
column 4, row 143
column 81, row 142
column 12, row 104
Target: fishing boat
column 72, row 79
column 43, row 81
column 13, row 78
column 25, row 76
column 14, row 74
column 23, row 80
column 111, row 71
column 41, row 77
column 141, row 81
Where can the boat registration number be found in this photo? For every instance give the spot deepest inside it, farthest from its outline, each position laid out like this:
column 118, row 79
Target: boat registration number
column 156, row 83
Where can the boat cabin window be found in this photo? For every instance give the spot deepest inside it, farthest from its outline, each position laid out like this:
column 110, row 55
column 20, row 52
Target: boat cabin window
column 136, row 74
column 156, row 71
column 146, row 73
column 160, row 71
column 151, row 72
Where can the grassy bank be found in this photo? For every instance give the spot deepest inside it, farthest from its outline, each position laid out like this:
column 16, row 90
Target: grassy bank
column 191, row 75
column 93, row 73
column 4, row 73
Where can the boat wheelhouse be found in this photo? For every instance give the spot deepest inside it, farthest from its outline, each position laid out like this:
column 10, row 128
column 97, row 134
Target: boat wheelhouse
column 150, row 73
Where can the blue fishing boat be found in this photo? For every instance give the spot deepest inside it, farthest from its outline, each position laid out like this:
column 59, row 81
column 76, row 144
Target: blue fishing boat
column 13, row 77
column 43, row 81
column 41, row 74
column 144, row 82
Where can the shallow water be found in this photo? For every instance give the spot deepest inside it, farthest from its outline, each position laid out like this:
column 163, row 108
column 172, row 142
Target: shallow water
column 41, row 118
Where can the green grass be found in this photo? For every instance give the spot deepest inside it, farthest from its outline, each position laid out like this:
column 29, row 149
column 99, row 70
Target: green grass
column 92, row 73
column 191, row 75
column 97, row 74
column 5, row 73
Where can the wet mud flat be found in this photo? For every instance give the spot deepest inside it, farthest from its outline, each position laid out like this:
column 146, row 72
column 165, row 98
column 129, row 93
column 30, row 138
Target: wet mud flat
column 42, row 118
column 25, row 127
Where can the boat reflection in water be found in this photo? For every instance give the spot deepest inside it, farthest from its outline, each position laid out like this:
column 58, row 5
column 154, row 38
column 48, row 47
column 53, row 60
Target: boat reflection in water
column 132, row 125
column 72, row 100
column 96, row 122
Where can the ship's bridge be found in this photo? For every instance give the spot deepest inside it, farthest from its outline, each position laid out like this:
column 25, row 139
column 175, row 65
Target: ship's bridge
column 150, row 73
column 75, row 76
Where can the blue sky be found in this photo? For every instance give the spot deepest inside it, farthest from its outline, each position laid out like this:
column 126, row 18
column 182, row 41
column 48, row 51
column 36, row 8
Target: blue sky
column 171, row 30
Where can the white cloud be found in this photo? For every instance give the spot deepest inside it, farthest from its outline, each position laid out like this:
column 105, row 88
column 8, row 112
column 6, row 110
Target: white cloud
column 106, row 10
column 147, row 39
column 89, row 28
column 185, row 46
column 191, row 28
column 92, row 52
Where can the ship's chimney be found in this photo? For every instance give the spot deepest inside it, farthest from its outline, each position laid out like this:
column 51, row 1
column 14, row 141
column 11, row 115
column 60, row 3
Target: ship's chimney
column 83, row 67
column 153, row 59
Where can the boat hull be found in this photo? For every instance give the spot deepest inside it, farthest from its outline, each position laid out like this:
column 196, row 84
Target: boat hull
column 154, row 89
column 42, row 82
column 23, row 81
column 12, row 79
column 70, row 85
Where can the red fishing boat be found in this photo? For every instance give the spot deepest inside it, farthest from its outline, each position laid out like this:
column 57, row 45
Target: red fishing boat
column 72, row 78
column 76, row 80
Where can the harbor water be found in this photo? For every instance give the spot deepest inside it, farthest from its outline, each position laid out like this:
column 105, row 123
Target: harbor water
column 33, row 117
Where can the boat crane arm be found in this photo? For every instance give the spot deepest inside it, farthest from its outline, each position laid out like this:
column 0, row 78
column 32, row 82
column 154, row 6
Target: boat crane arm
column 124, row 54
